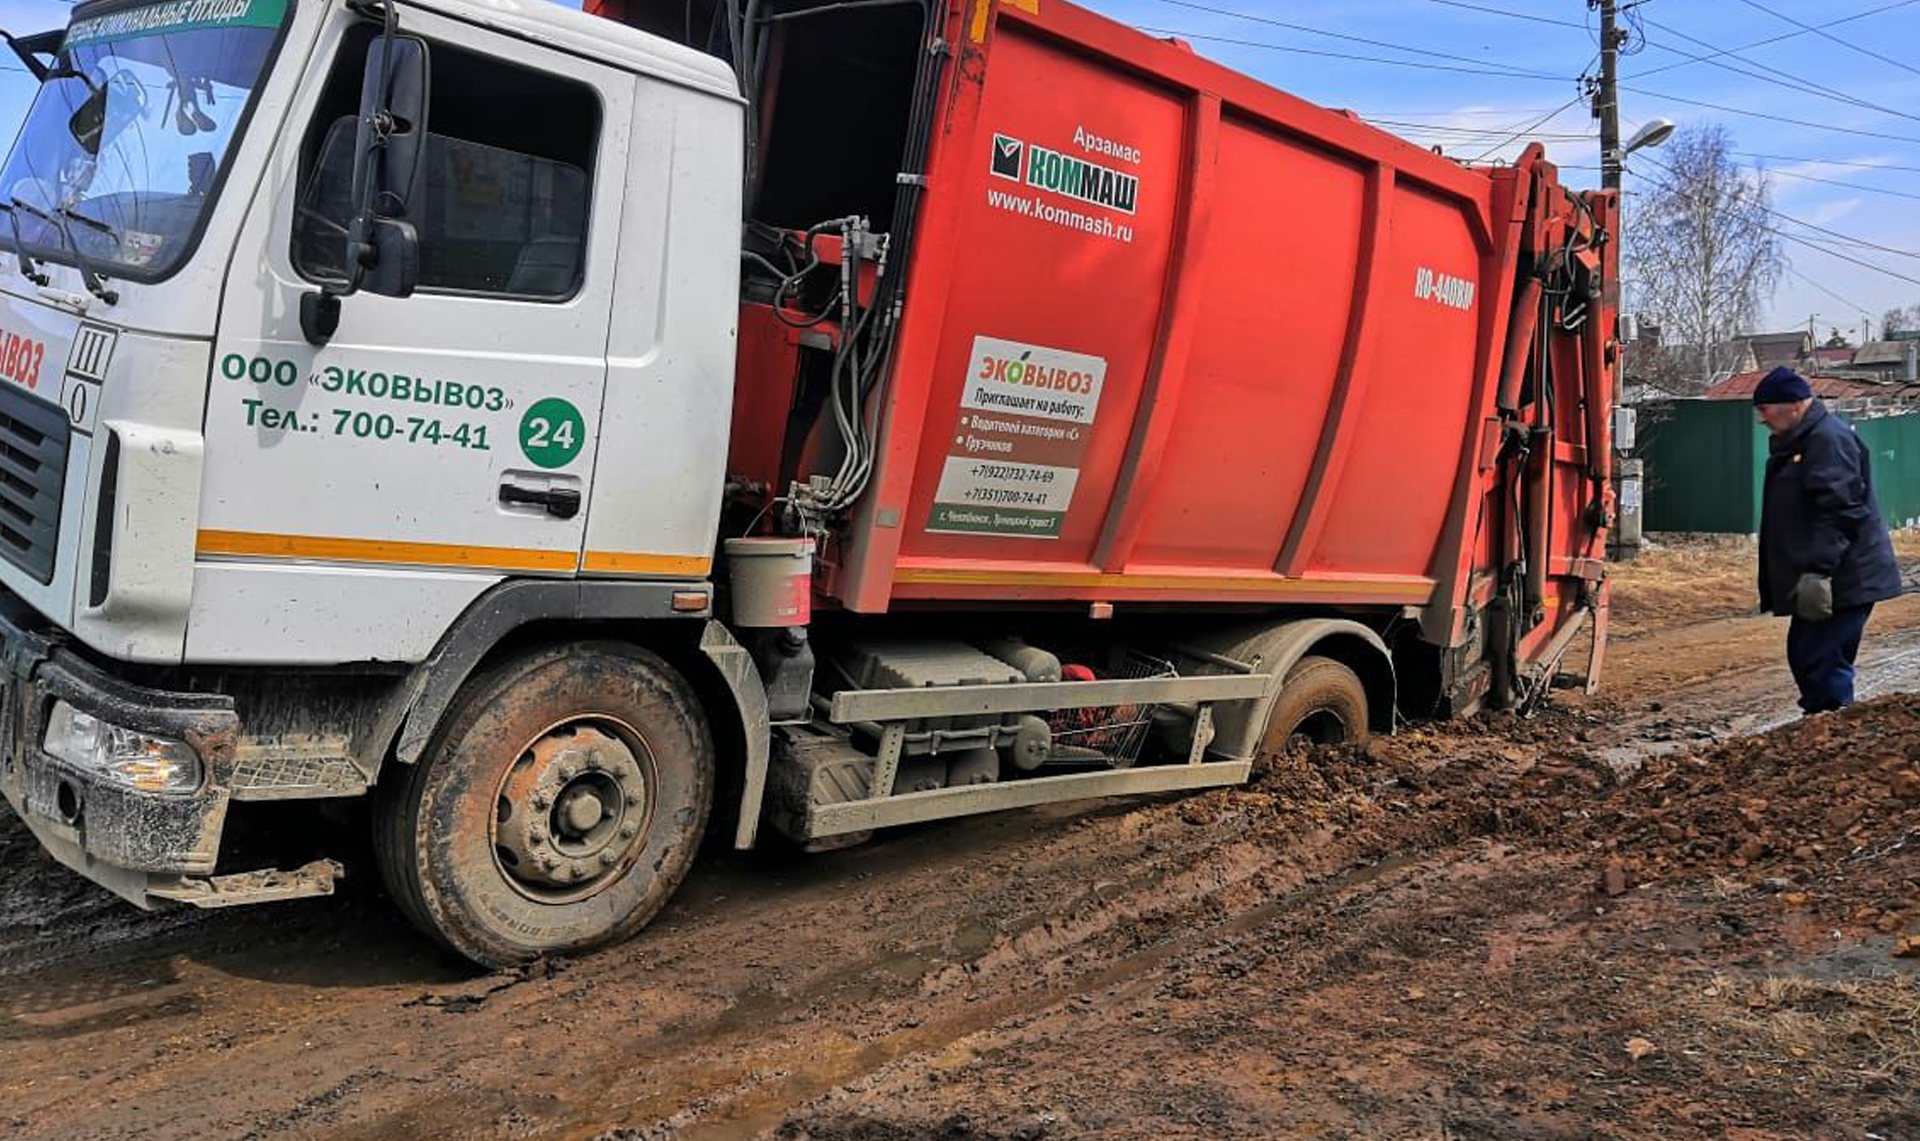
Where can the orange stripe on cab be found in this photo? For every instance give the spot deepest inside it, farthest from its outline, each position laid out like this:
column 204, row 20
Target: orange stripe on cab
column 333, row 549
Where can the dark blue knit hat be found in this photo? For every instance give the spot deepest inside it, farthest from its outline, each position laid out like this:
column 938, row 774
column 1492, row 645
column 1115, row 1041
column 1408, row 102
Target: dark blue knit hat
column 1782, row 386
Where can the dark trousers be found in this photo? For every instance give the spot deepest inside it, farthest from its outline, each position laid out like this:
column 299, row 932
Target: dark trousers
column 1821, row 654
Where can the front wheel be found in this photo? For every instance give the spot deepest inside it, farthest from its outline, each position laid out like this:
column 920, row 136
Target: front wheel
column 1323, row 702
column 559, row 806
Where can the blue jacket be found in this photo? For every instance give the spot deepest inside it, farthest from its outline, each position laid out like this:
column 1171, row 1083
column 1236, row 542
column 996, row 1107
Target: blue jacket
column 1818, row 515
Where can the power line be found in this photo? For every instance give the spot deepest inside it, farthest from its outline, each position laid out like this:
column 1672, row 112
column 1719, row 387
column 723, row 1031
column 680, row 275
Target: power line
column 1503, row 112
column 1844, row 185
column 1843, row 257
column 1848, row 239
column 1805, row 241
column 1784, row 216
column 1830, row 36
column 1513, row 15
column 1531, row 75
column 1830, row 161
column 1779, row 38
column 1807, row 86
column 1331, row 35
column 1542, row 121
column 1773, row 118
column 1825, row 290
column 1186, row 35
column 1472, row 132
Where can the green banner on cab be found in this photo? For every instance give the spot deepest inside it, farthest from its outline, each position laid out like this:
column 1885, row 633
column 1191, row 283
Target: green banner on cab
column 176, row 16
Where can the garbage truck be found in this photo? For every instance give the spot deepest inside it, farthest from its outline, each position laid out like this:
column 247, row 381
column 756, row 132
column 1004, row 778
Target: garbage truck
column 557, row 440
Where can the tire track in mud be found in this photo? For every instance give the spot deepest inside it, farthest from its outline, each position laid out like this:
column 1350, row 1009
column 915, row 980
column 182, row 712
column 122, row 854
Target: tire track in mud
column 1741, row 702
column 1733, row 705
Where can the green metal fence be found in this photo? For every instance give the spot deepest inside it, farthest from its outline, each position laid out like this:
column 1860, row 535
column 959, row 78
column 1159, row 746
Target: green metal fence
column 1895, row 443
column 1706, row 459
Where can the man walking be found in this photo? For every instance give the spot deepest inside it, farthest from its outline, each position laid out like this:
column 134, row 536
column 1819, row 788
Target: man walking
column 1825, row 556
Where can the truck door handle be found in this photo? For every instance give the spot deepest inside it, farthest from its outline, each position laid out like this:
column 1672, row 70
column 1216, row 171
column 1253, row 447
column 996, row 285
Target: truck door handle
column 560, row 502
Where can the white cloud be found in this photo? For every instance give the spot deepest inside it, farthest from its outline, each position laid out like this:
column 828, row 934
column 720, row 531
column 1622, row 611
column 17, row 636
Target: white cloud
column 1828, row 212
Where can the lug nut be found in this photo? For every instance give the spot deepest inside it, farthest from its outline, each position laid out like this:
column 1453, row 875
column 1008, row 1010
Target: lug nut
column 629, row 830
column 565, row 770
column 548, row 863
column 541, row 801
column 606, row 858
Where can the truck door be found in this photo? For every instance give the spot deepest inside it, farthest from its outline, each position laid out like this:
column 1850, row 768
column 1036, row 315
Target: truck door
column 455, row 429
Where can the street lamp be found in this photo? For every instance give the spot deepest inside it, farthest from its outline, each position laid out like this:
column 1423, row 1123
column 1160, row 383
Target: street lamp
column 1652, row 135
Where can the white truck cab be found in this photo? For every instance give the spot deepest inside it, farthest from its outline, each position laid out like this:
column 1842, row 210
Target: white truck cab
column 193, row 493
column 280, row 502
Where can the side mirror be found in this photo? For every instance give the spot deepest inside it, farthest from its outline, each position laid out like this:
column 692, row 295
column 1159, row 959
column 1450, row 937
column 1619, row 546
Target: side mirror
column 389, row 156
column 381, row 246
column 396, row 258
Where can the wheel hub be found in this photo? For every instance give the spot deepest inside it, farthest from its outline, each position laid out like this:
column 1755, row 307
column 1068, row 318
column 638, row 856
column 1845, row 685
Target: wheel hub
column 572, row 811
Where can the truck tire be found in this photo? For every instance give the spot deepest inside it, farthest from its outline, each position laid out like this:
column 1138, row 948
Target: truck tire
column 559, row 805
column 1322, row 702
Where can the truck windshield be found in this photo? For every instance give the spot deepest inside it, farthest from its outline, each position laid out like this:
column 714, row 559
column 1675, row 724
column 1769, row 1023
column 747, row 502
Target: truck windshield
column 125, row 143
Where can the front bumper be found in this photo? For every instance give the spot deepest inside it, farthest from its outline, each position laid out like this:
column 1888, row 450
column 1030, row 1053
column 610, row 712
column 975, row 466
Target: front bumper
column 146, row 847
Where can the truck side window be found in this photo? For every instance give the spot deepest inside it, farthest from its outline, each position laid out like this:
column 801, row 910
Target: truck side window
column 509, row 165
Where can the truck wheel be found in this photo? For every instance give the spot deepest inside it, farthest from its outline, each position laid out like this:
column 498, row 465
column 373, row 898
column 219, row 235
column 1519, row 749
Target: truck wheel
column 1322, row 702
column 558, row 807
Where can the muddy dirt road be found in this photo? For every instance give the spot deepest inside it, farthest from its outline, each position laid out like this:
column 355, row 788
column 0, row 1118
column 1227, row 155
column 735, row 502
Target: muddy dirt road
column 1471, row 931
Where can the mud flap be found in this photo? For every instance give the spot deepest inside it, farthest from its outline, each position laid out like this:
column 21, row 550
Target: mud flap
column 742, row 678
column 1597, row 658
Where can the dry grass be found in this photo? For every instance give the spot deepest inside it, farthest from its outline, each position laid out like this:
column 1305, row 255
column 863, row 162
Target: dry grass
column 1841, row 1034
column 1682, row 579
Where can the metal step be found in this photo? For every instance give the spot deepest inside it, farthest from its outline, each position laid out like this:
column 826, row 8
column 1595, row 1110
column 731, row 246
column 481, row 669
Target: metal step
column 941, row 804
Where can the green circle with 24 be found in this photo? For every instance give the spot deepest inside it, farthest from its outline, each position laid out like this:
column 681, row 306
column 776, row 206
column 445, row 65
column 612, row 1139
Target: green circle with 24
column 552, row 433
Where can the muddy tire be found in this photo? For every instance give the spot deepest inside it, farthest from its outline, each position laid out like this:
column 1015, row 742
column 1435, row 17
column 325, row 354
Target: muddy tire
column 559, row 805
column 1322, row 702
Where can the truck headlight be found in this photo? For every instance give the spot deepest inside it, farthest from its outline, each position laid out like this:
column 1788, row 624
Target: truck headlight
column 123, row 756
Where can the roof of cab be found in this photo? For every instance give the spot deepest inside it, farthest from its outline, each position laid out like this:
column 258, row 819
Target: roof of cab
column 593, row 37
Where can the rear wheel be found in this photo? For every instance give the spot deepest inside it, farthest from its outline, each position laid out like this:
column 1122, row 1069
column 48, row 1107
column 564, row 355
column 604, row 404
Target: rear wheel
column 1323, row 702
column 558, row 807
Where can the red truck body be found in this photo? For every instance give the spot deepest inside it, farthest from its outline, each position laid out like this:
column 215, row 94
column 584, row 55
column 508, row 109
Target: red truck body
column 1173, row 337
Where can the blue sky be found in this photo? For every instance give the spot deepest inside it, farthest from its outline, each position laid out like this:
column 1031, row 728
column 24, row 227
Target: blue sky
column 1853, row 170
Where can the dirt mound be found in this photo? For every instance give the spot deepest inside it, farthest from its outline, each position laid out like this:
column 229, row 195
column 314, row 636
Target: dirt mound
column 1811, row 810
column 1820, row 788
column 1825, row 811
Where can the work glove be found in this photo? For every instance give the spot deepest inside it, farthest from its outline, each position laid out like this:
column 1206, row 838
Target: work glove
column 1813, row 597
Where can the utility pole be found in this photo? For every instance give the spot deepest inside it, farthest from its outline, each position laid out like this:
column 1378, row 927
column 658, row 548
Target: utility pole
column 1623, row 542
column 1606, row 105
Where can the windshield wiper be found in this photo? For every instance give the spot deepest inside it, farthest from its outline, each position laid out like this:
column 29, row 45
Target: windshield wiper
column 28, row 269
column 59, row 218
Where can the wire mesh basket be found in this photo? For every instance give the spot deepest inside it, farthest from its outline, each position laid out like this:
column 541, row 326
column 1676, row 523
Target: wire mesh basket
column 1112, row 735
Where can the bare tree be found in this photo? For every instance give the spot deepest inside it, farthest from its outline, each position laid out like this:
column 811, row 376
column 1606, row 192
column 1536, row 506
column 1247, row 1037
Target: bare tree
column 1899, row 320
column 1701, row 246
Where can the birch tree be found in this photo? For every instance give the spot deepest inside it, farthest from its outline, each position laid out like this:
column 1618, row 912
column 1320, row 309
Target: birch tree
column 1702, row 252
